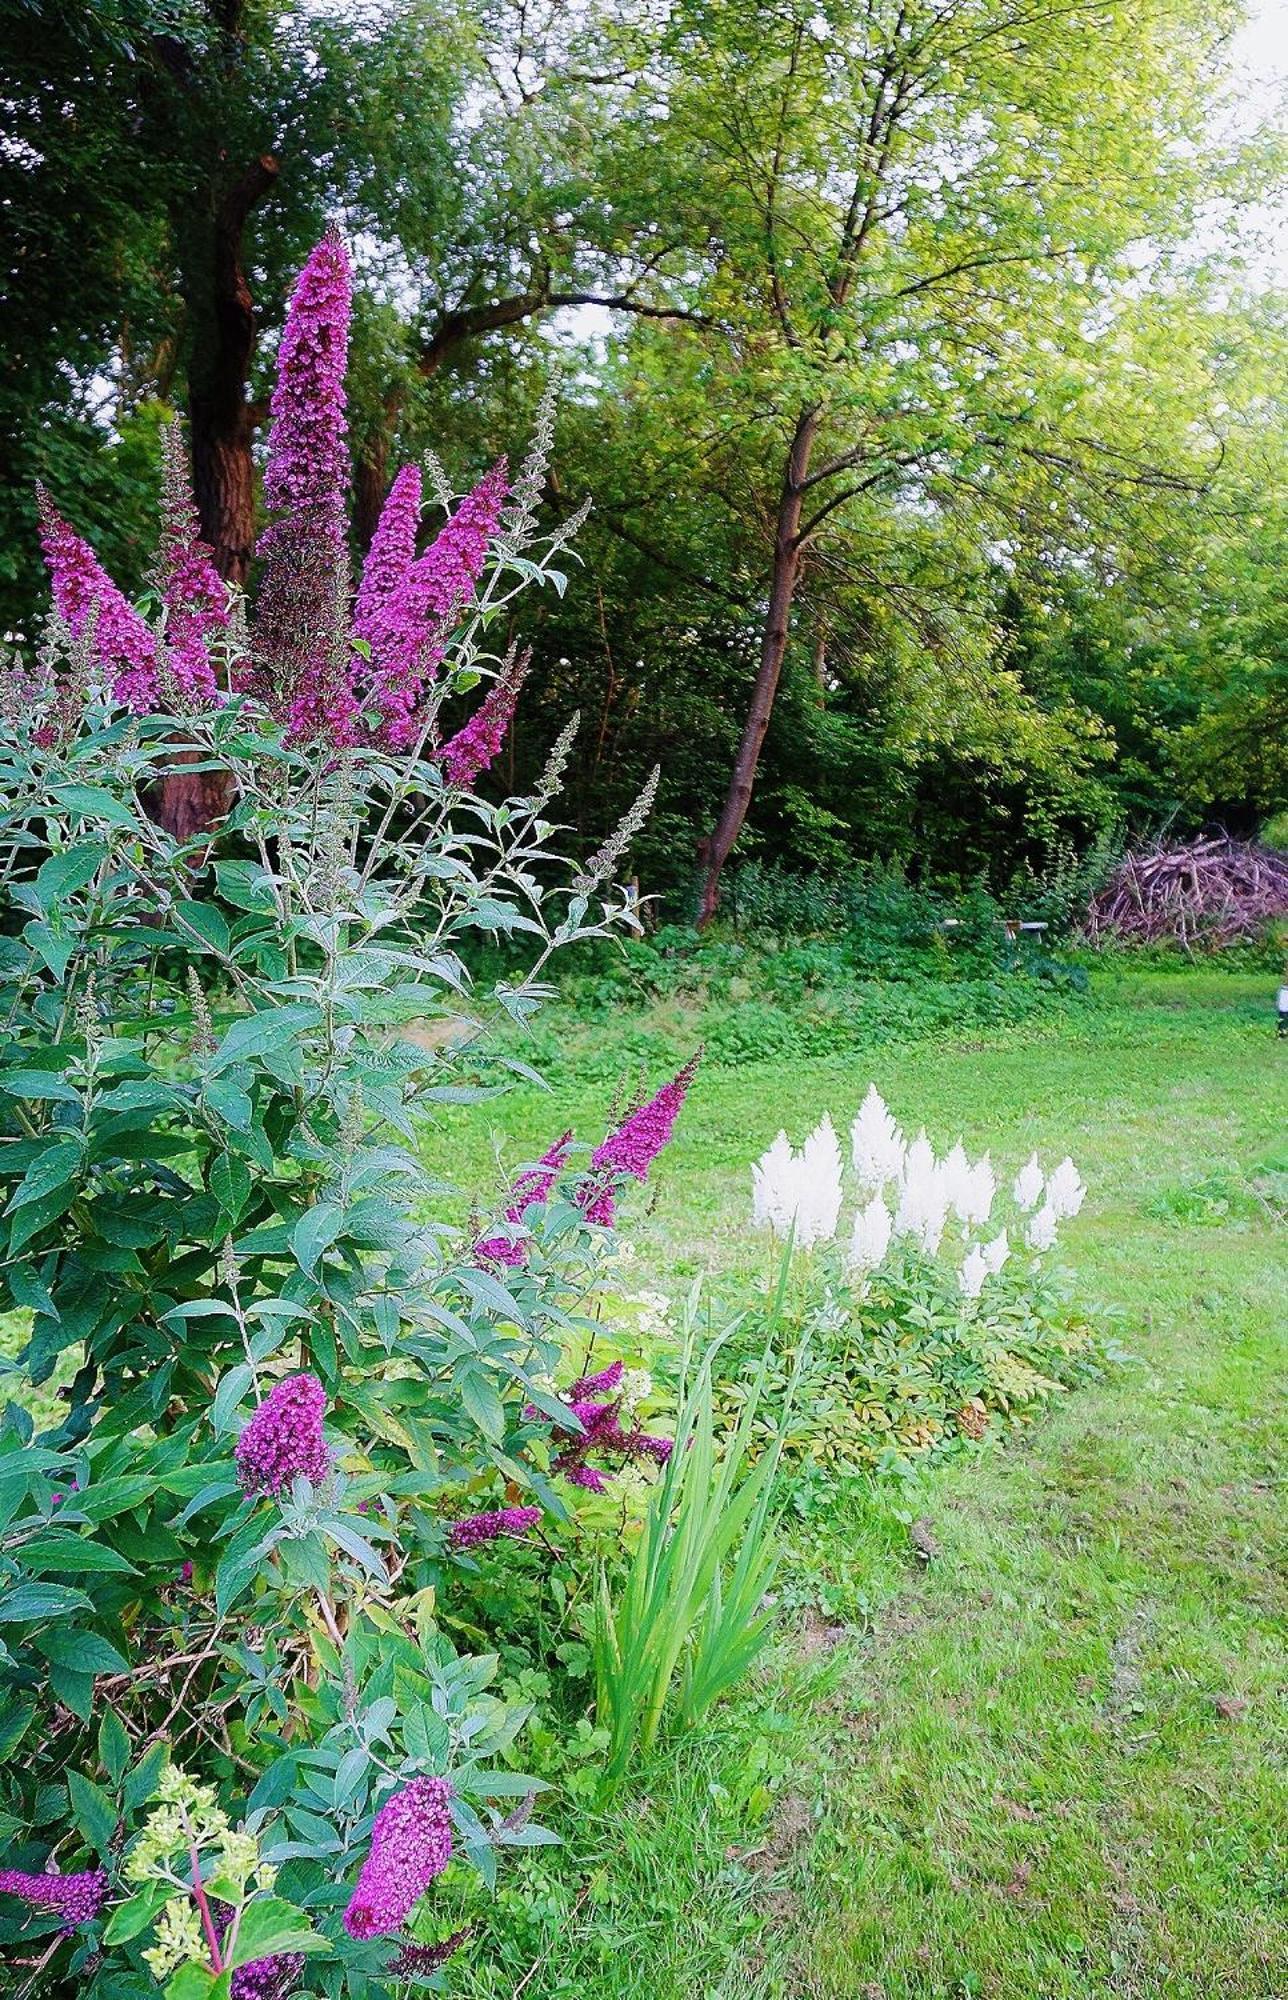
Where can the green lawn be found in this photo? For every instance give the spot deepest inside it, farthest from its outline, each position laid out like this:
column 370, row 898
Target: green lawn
column 1049, row 1760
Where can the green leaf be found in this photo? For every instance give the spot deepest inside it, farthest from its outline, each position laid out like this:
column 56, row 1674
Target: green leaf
column 95, row 802
column 29, row 1601
column 233, row 1384
column 483, row 1403
column 88, row 1652
column 229, row 1102
column 128, row 1919
column 69, row 1554
column 230, row 1184
column 141, row 1783
column 209, row 924
column 314, row 1233
column 113, row 1745
column 15, row 1721
column 256, row 1034
column 270, row 1926
column 93, row 1811
column 57, row 1164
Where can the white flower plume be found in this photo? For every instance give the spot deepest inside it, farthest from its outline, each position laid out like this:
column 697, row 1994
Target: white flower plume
column 871, row 1236
column 877, row 1145
column 1065, row 1191
column 1041, row 1231
column 1029, row 1183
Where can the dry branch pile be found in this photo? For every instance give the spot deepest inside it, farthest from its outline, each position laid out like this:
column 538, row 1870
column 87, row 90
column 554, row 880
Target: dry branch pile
column 1206, row 892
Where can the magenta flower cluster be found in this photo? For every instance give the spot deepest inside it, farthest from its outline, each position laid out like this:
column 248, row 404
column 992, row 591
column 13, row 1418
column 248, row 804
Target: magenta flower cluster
column 391, row 555
column 283, row 1440
column 633, row 1146
column 514, row 1522
column 417, row 1961
column 194, row 594
column 529, row 1191
column 274, row 1978
column 409, row 630
column 601, row 1434
column 76, row 1898
column 411, row 1844
column 123, row 645
column 306, row 661
column 469, row 753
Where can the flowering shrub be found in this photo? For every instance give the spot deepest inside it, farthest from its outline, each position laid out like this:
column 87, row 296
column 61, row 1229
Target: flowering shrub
column 928, row 1318
column 236, row 1749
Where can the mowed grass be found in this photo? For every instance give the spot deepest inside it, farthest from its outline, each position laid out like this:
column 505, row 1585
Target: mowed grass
column 1048, row 1760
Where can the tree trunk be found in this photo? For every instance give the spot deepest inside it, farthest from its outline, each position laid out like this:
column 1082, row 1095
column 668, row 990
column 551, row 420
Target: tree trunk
column 222, row 425
column 714, row 851
column 222, row 348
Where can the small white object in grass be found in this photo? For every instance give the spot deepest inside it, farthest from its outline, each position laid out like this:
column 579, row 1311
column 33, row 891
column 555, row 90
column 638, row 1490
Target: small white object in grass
column 1065, row 1191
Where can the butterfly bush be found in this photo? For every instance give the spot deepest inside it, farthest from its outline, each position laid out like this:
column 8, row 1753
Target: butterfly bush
column 289, row 1376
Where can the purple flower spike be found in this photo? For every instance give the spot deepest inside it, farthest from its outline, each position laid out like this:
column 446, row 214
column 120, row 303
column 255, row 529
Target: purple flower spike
column 409, row 634
column 274, row 1978
column 123, row 645
column 391, row 555
column 475, row 1528
column 597, row 1385
column 659, row 1449
column 467, row 755
column 638, row 1140
column 588, row 1477
column 77, row 1898
column 417, row 1961
column 303, row 667
column 283, row 1440
column 411, row 1843
column 196, row 601
column 530, row 1189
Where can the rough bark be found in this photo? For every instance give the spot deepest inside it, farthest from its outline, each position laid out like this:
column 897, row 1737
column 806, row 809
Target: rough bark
column 714, row 851
column 222, row 428
column 222, row 420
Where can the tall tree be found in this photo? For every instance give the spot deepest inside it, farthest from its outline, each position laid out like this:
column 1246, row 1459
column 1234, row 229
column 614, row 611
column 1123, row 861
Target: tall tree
column 909, row 223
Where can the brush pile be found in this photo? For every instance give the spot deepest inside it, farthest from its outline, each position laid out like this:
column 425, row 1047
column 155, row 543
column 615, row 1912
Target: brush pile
column 1204, row 893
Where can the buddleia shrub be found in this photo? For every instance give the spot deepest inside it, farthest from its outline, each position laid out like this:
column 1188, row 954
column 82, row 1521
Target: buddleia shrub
column 269, row 1402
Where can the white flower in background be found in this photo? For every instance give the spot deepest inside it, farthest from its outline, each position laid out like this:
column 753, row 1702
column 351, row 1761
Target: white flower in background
column 923, row 1197
column 802, row 1188
column 995, row 1254
column 1065, row 1191
column 820, row 1211
column 871, row 1237
column 636, row 1387
column 775, row 1187
column 973, row 1272
column 1042, row 1228
column 919, row 1160
column 1029, row 1183
column 954, row 1175
column 973, row 1196
column 877, row 1145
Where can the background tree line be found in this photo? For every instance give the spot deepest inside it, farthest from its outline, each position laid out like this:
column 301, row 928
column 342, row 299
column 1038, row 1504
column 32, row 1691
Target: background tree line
column 933, row 424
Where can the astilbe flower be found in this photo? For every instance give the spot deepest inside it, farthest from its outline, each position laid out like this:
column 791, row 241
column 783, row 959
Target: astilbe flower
column 76, row 1898
column 409, row 634
column 195, row 598
column 800, row 1192
column 411, row 1844
column 392, row 552
column 303, row 666
column 468, row 754
column 283, row 1440
column 417, row 1961
column 529, row 1191
column 123, row 644
column 511, row 1522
